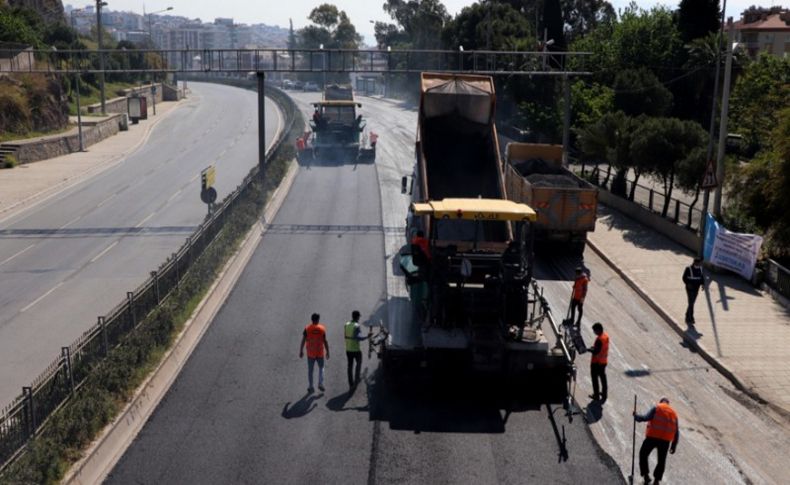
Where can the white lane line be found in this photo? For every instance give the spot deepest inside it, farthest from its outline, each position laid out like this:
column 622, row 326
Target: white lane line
column 174, row 195
column 106, row 200
column 96, row 258
column 140, row 224
column 70, row 222
column 31, row 304
column 195, row 177
column 17, row 254
column 279, row 129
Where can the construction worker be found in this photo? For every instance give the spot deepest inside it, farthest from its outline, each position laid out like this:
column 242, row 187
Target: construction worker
column 353, row 335
column 662, row 433
column 693, row 279
column 600, row 354
column 314, row 336
column 579, row 293
column 422, row 244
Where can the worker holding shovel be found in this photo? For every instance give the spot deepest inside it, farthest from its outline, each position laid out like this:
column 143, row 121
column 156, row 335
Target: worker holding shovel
column 662, row 434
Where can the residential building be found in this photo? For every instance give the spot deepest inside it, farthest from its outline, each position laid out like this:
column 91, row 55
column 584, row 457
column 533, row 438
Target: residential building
column 764, row 30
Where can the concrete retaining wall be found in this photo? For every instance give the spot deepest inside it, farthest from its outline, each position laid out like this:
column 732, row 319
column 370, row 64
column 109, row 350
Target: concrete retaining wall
column 119, row 105
column 58, row 145
column 677, row 233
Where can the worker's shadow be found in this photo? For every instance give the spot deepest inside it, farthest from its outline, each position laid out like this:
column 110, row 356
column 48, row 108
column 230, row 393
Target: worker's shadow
column 339, row 402
column 593, row 412
column 302, row 407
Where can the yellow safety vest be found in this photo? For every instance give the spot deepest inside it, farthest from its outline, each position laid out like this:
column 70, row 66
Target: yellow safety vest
column 352, row 344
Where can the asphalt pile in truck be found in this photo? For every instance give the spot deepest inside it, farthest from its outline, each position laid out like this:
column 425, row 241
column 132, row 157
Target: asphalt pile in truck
column 543, row 173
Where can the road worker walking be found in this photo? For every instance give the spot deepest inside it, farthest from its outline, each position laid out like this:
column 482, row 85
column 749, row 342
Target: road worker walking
column 662, row 434
column 353, row 335
column 314, row 336
column 579, row 294
column 600, row 357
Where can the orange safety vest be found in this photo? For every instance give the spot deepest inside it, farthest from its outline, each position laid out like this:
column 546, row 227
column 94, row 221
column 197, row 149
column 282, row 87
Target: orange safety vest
column 315, row 334
column 423, row 244
column 664, row 424
column 601, row 357
column 580, row 287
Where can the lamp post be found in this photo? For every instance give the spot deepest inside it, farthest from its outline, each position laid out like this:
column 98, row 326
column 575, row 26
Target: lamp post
column 99, row 5
column 149, row 15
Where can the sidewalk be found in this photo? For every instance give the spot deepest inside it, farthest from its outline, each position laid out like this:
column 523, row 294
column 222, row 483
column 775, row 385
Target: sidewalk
column 740, row 330
column 28, row 184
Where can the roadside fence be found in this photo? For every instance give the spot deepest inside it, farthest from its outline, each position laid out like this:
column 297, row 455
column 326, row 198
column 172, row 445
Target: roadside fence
column 24, row 416
column 680, row 212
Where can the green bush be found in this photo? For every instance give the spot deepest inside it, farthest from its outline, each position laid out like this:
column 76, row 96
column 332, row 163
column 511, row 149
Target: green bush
column 9, row 161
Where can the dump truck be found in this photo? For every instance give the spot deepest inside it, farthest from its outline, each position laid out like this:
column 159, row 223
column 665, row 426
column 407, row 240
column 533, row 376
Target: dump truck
column 473, row 302
column 338, row 130
column 566, row 204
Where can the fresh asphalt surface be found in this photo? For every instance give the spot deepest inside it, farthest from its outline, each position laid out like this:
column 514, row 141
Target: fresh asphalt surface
column 74, row 257
column 239, row 411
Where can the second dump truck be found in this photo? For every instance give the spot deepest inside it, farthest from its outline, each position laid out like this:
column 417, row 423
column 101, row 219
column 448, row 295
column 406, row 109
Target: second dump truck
column 474, row 303
column 566, row 204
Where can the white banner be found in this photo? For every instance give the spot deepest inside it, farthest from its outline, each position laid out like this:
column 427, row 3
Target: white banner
column 732, row 250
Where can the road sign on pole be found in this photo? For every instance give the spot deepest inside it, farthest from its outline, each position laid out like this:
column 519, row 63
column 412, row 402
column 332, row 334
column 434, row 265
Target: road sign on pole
column 709, row 179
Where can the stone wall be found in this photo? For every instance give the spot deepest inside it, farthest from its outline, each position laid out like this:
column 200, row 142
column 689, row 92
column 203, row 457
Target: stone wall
column 119, row 105
column 57, row 145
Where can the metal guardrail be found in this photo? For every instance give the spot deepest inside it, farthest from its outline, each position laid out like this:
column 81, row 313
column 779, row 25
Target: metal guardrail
column 679, row 212
column 23, row 418
column 778, row 277
column 297, row 60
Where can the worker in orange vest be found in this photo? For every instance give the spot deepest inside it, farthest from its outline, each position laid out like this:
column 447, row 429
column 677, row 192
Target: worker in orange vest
column 314, row 337
column 662, row 433
column 420, row 241
column 579, row 293
column 600, row 355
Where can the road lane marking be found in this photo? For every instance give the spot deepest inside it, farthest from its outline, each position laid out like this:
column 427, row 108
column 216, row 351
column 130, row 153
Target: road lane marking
column 70, row 222
column 195, row 177
column 31, row 304
column 174, row 195
column 96, row 258
column 106, row 200
column 15, row 255
column 140, row 224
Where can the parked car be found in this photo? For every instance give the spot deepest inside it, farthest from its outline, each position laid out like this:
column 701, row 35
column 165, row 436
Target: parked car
column 298, row 84
column 310, row 86
column 288, row 84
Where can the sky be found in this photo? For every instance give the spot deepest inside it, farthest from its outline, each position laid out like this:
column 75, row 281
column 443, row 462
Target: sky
column 361, row 12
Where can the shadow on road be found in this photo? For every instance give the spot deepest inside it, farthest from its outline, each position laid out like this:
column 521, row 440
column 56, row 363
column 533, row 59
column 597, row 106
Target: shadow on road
column 302, row 407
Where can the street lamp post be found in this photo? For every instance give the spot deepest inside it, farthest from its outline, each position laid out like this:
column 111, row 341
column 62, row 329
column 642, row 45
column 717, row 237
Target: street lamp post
column 149, row 15
column 99, row 5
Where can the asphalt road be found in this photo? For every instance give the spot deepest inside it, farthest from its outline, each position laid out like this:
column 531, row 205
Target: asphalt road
column 66, row 261
column 239, row 412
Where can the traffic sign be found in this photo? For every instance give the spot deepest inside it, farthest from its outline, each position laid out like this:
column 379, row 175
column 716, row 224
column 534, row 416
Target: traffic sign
column 207, row 177
column 709, row 179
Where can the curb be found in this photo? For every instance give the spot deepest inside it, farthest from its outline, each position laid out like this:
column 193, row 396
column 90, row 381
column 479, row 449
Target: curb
column 696, row 346
column 105, row 452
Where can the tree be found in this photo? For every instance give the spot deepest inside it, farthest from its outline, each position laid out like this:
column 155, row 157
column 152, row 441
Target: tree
column 589, row 102
column 418, row 24
column 490, row 26
column 609, row 140
column 291, row 35
column 583, row 16
column 638, row 91
column 697, row 18
column 331, row 27
column 641, row 38
column 758, row 192
column 761, row 92
column 661, row 145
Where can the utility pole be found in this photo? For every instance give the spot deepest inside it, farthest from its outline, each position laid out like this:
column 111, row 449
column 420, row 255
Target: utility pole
column 725, row 106
column 566, row 122
column 706, row 197
column 79, row 112
column 261, row 123
column 99, row 5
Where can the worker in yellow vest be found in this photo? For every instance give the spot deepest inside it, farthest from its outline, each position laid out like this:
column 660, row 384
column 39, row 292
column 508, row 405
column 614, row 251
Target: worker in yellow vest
column 352, row 332
column 600, row 357
column 662, row 434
